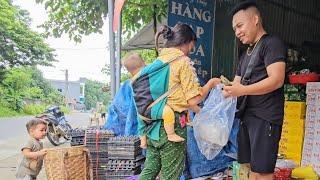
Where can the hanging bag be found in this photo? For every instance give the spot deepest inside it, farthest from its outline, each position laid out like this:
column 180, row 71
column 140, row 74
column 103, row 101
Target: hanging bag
column 245, row 80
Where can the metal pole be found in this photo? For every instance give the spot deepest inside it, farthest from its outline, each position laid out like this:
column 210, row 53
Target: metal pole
column 155, row 23
column 118, row 60
column 66, row 93
column 112, row 49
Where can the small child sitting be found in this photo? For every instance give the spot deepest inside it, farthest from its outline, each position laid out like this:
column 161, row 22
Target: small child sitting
column 32, row 151
column 134, row 63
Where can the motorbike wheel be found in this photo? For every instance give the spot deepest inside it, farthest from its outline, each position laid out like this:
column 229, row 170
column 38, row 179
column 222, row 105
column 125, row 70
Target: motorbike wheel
column 69, row 128
column 54, row 138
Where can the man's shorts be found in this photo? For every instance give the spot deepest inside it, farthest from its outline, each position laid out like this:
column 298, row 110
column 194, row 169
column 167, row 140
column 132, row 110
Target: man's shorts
column 258, row 144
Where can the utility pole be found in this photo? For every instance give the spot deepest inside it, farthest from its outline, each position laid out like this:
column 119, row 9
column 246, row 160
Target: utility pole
column 118, row 56
column 66, row 93
column 112, row 49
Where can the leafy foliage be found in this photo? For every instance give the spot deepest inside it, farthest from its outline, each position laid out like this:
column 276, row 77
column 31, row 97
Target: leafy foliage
column 83, row 17
column 19, row 45
column 6, row 112
column 15, row 83
column 33, row 109
column 23, row 84
column 93, row 94
column 148, row 55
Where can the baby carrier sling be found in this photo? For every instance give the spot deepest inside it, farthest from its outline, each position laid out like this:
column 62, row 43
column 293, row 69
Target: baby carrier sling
column 150, row 87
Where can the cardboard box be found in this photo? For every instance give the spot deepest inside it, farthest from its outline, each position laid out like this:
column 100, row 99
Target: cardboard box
column 289, row 147
column 313, row 88
column 306, row 162
column 311, row 110
column 293, row 123
column 296, row 158
column 313, row 99
column 294, row 109
column 294, row 105
column 292, row 131
column 310, row 124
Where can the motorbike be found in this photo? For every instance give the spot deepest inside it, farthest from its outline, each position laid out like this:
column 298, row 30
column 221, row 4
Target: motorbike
column 58, row 128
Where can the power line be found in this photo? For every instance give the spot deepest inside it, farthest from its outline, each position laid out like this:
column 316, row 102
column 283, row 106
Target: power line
column 81, row 49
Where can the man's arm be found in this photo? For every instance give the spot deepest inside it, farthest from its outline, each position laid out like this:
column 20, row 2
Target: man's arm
column 236, row 79
column 275, row 79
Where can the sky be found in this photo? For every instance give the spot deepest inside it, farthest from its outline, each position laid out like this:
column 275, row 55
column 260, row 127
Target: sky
column 82, row 60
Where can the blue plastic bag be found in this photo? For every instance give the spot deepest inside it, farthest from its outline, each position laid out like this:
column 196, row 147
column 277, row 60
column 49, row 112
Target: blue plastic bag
column 212, row 125
column 122, row 113
column 198, row 165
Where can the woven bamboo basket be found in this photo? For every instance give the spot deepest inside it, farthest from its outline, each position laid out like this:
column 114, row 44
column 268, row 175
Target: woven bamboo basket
column 71, row 163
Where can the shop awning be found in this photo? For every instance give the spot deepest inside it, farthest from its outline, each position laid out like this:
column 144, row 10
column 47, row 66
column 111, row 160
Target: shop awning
column 144, row 39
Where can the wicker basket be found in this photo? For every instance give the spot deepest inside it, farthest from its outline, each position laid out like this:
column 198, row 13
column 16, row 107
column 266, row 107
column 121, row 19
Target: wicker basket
column 71, row 163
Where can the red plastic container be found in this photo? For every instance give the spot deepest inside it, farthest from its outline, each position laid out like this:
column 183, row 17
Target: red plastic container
column 282, row 174
column 303, row 78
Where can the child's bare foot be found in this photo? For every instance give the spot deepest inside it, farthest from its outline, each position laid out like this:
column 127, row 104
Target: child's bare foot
column 143, row 146
column 189, row 124
column 175, row 138
column 143, row 142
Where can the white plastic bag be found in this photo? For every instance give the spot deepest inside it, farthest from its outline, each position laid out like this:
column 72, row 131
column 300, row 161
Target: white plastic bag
column 212, row 125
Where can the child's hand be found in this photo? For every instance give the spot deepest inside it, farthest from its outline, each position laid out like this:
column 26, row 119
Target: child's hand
column 42, row 152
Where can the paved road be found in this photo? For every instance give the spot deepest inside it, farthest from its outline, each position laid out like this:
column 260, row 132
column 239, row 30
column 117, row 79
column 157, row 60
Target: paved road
column 13, row 134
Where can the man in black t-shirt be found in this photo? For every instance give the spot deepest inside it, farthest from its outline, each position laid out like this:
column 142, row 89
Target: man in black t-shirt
column 261, row 122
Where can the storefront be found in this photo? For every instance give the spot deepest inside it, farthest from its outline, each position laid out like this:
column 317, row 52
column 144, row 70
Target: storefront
column 296, row 22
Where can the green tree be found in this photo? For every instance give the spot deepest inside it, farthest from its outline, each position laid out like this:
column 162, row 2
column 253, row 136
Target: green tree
column 93, row 94
column 50, row 95
column 83, row 17
column 26, row 83
column 19, row 45
column 15, row 83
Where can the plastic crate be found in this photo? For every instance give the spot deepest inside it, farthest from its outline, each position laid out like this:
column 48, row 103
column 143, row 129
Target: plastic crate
column 303, row 78
column 124, row 154
column 77, row 141
column 126, row 165
column 119, row 175
column 77, row 132
column 282, row 174
column 125, row 141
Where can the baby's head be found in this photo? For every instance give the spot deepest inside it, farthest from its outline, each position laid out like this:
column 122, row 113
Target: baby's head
column 37, row 128
column 133, row 63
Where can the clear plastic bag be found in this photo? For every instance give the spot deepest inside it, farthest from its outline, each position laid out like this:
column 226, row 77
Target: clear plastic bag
column 212, row 125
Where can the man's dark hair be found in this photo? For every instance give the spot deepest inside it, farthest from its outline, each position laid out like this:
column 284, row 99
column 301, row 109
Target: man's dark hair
column 243, row 6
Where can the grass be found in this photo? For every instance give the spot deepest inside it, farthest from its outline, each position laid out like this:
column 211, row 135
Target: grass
column 6, row 112
column 30, row 109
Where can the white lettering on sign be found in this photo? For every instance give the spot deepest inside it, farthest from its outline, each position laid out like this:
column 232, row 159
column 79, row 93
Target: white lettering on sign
column 193, row 13
column 175, row 8
column 200, row 51
column 197, row 62
column 199, row 31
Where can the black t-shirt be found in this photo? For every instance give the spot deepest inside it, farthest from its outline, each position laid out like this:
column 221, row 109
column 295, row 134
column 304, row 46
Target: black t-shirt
column 269, row 106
